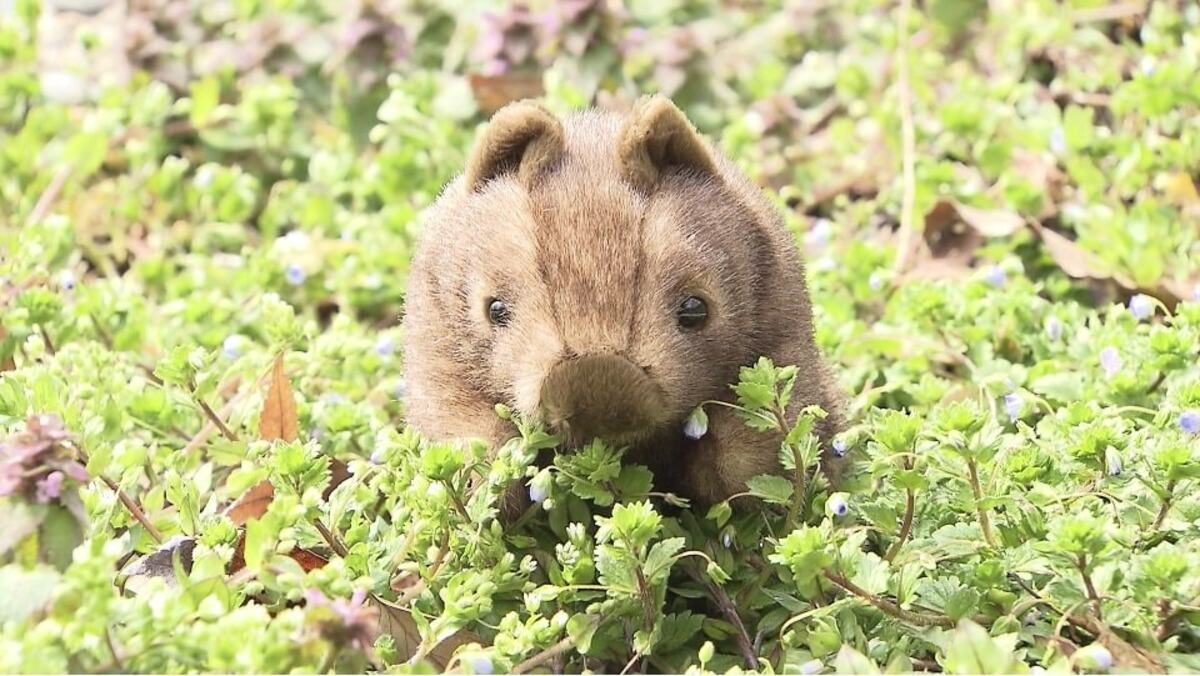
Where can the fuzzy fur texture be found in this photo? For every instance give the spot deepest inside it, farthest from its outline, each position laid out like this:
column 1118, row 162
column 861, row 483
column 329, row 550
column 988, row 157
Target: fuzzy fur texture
column 592, row 231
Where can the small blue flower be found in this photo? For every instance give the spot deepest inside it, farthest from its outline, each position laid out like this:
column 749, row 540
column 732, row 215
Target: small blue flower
column 385, row 346
column 727, row 540
column 295, row 275
column 839, row 447
column 1110, row 361
column 836, row 505
column 875, row 281
column 1147, row 66
column 231, row 347
column 1189, row 421
column 480, row 664
column 1095, row 655
column 66, row 280
column 696, row 425
column 812, row 667
column 1058, row 141
column 538, row 493
column 316, row 434
column 378, row 456
column 1054, row 328
column 1141, row 307
column 996, row 277
column 1013, row 405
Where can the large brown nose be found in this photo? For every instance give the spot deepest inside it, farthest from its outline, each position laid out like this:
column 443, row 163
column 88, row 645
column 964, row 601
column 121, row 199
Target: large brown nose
column 603, row 395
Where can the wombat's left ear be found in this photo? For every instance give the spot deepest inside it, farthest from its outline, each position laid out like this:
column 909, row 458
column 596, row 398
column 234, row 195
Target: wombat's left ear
column 657, row 136
column 522, row 137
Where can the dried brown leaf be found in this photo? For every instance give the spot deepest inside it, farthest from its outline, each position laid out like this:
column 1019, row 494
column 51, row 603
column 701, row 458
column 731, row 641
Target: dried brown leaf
column 403, row 629
column 493, row 92
column 279, row 420
column 252, row 505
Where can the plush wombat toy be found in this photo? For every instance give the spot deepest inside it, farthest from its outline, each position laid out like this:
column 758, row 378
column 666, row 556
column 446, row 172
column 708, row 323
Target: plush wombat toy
column 606, row 274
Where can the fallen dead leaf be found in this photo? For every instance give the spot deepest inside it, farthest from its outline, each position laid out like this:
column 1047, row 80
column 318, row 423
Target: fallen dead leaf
column 494, row 92
column 279, row 420
column 252, row 505
column 403, row 629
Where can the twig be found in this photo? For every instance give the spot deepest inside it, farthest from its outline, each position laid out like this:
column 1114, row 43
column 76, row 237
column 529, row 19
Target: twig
column 216, row 420
column 546, row 655
column 1121, row 10
column 334, row 544
column 134, row 510
column 908, row 143
column 1158, row 381
column 46, row 340
column 48, row 196
column 910, row 506
column 889, row 607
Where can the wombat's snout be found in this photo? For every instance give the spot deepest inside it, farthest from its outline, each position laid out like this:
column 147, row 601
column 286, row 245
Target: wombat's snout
column 603, row 395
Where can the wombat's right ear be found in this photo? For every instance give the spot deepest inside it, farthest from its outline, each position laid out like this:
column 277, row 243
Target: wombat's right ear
column 522, row 137
column 656, row 137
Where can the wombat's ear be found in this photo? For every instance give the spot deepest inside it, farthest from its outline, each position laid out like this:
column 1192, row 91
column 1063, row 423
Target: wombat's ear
column 522, row 137
column 656, row 137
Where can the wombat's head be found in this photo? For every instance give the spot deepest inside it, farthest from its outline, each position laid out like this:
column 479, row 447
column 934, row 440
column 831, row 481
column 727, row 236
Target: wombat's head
column 603, row 273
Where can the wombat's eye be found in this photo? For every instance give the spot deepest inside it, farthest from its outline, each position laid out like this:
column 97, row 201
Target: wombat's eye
column 498, row 313
column 692, row 313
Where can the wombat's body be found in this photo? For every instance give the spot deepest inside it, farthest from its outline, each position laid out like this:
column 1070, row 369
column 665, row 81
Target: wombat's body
column 607, row 274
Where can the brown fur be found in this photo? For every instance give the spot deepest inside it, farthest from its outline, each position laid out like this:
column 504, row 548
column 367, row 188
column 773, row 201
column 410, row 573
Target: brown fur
column 592, row 231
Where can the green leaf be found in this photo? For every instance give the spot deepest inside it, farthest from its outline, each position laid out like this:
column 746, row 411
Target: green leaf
column 25, row 591
column 770, row 488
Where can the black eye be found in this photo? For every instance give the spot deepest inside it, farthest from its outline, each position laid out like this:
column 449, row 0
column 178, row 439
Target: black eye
column 692, row 313
column 498, row 313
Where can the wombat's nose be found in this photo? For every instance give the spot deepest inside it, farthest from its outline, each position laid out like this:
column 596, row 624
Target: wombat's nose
column 603, row 395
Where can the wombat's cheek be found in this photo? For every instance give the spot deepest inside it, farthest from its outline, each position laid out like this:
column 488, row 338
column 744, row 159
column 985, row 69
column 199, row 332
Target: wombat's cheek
column 521, row 361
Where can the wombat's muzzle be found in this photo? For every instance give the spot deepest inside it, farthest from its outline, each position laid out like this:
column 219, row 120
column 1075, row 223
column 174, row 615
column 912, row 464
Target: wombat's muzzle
column 603, row 395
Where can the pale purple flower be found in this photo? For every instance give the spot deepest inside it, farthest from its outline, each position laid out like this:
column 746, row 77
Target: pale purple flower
column 480, row 664
column 996, row 276
column 1147, row 65
column 1110, row 361
column 295, row 275
column 538, row 493
column 1112, row 462
column 1189, row 421
column 1058, row 141
column 378, row 456
column 1054, row 328
column 1013, row 405
column 875, row 281
column 385, row 346
column 231, row 347
column 839, row 447
column 727, row 540
column 1141, row 307
column 50, row 487
column 66, row 280
column 819, row 234
column 697, row 424
column 836, row 505
column 812, row 667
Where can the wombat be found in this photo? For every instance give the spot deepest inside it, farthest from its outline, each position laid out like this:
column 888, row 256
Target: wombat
column 607, row 273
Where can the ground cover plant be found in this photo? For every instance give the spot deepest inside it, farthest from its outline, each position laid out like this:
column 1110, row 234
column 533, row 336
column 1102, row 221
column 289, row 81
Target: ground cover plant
column 206, row 221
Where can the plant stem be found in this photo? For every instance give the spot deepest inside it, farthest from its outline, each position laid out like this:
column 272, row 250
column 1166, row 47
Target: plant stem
column 1081, row 564
column 1166, row 505
column 889, row 607
column 910, row 506
column 729, row 610
column 984, row 522
column 545, row 656
column 216, row 420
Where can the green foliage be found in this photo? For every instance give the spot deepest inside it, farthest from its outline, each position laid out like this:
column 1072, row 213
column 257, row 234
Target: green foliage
column 1024, row 438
